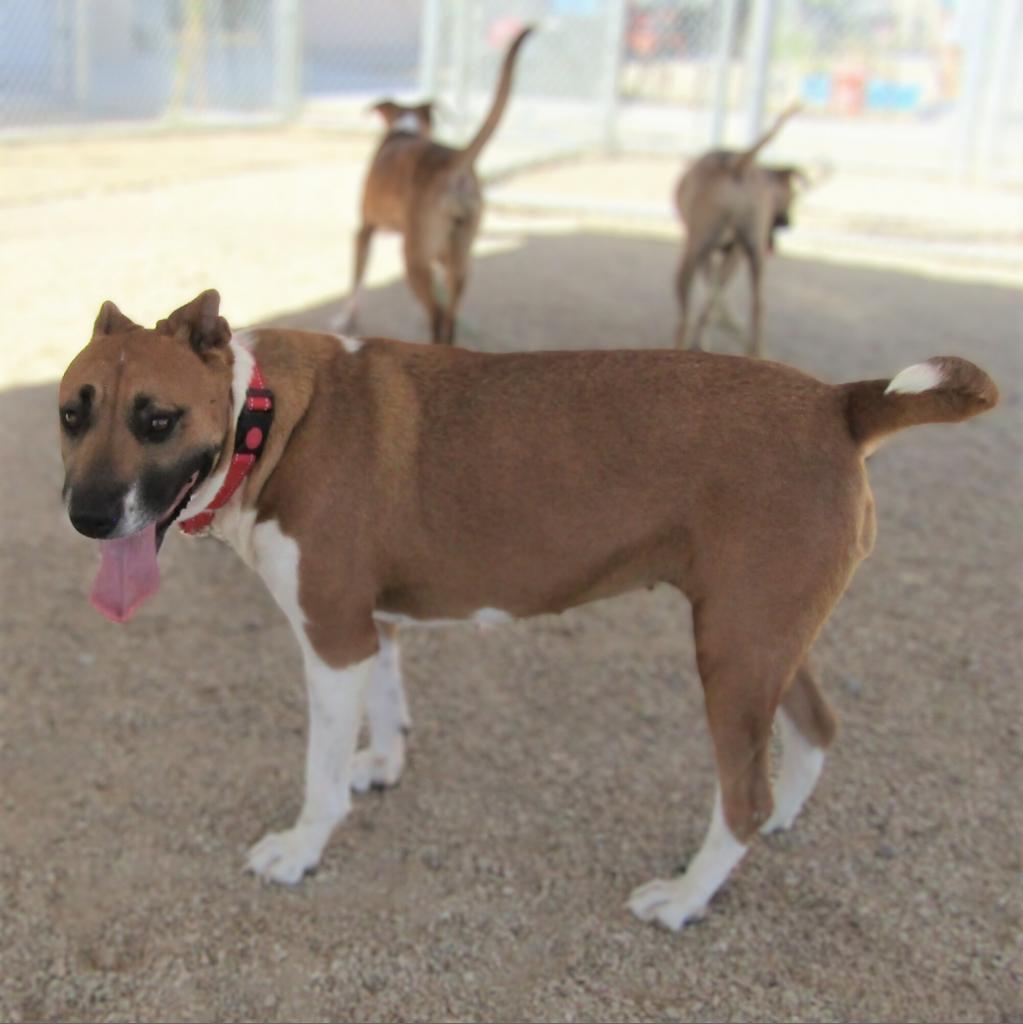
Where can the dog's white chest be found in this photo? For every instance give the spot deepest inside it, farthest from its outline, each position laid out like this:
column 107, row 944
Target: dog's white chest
column 233, row 525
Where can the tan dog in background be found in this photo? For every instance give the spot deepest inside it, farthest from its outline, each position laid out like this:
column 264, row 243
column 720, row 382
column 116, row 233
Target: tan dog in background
column 405, row 484
column 430, row 193
column 731, row 207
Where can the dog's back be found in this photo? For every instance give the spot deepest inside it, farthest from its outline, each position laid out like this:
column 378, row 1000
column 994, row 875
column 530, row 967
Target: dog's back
column 725, row 198
column 430, row 193
column 721, row 169
column 408, row 170
column 720, row 181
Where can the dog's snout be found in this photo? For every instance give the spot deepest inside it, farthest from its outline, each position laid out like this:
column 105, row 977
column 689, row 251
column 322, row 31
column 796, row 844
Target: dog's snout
column 96, row 512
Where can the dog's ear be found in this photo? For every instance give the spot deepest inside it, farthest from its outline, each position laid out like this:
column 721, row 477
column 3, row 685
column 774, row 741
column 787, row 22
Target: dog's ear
column 110, row 320
column 425, row 113
column 801, row 178
column 387, row 109
column 792, row 174
column 200, row 322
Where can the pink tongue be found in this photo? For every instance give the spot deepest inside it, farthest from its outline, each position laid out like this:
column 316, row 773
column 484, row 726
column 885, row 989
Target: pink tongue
column 127, row 575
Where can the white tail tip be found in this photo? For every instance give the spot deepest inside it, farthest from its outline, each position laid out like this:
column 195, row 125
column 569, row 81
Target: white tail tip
column 914, row 379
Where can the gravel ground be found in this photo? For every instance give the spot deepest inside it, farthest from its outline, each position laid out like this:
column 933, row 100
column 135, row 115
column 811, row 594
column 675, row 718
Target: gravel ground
column 555, row 763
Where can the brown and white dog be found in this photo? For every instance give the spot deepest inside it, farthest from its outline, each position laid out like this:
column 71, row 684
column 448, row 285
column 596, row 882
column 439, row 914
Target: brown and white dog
column 731, row 207
column 403, row 484
column 430, row 193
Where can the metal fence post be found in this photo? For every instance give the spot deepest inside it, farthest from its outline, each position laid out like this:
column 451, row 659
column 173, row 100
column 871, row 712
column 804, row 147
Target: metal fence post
column 460, row 64
column 287, row 57
column 612, row 65
column 759, row 57
column 61, row 65
column 975, row 61
column 429, row 48
column 81, row 58
column 722, row 71
column 1006, row 25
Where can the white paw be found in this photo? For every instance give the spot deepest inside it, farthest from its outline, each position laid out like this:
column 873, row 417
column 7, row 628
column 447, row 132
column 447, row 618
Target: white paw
column 344, row 320
column 780, row 821
column 286, row 856
column 669, row 901
column 370, row 768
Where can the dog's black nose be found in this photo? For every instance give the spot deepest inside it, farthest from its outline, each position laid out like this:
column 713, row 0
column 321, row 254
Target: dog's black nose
column 94, row 524
column 95, row 508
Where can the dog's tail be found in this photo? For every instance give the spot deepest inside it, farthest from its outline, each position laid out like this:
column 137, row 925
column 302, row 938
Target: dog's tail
column 744, row 161
column 467, row 157
column 944, row 389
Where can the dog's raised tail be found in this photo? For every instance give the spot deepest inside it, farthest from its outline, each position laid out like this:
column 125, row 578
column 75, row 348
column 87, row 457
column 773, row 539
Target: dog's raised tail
column 746, row 158
column 944, row 389
column 468, row 155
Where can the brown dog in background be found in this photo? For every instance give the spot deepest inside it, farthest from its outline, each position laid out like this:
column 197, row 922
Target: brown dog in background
column 430, row 193
column 731, row 207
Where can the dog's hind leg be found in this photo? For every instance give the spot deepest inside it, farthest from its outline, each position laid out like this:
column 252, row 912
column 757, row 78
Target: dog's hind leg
column 456, row 270
column 455, row 286
column 346, row 319
column 740, row 724
column 748, row 648
column 717, row 273
column 724, row 318
column 675, row 902
column 808, row 726
column 380, row 764
column 754, row 255
column 694, row 256
column 683, row 284
column 420, row 278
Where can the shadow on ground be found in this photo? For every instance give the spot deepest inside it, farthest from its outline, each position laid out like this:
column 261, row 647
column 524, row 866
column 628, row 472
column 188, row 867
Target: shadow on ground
column 555, row 763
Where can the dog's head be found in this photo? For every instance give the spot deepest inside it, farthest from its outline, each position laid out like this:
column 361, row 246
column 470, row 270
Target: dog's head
column 144, row 416
column 786, row 183
column 417, row 120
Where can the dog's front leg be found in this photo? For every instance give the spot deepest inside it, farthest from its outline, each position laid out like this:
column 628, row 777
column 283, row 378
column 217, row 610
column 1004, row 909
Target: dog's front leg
column 381, row 763
column 335, row 709
column 336, row 693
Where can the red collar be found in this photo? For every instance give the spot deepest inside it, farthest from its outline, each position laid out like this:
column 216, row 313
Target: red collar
column 250, row 435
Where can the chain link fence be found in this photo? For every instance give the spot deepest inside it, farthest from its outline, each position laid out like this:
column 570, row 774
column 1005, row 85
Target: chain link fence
column 451, row 53
column 930, row 86
column 910, row 85
column 563, row 77
column 69, row 63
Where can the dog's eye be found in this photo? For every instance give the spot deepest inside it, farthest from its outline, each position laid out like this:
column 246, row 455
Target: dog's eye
column 71, row 420
column 150, row 424
column 157, row 426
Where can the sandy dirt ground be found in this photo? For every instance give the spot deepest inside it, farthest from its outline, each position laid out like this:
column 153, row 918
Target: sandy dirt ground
column 554, row 764
column 866, row 203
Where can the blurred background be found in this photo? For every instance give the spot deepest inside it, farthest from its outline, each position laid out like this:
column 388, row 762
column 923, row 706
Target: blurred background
column 923, row 85
column 139, row 138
